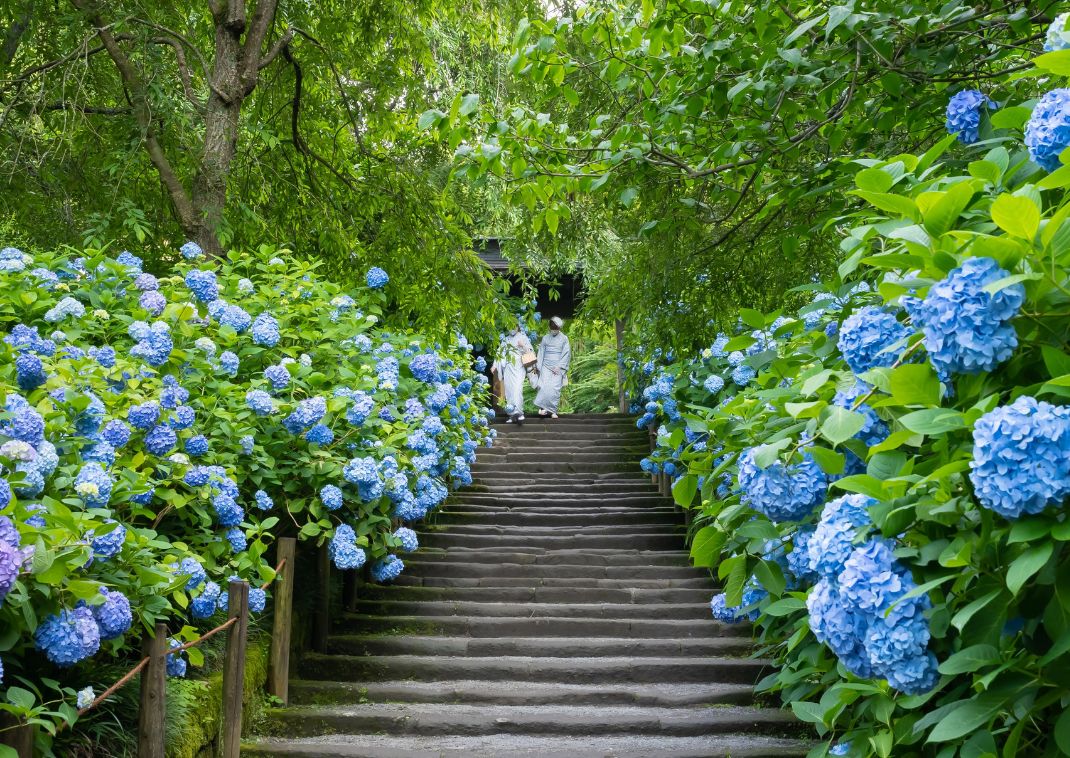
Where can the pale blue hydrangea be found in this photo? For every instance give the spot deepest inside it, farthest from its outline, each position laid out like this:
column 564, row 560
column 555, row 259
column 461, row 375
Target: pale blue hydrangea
column 343, row 550
column 278, row 377
column 320, row 434
column 408, row 539
column 236, row 318
column 228, row 361
column 246, row 286
column 203, row 285
column 871, row 337
column 1057, row 36
column 837, row 624
column 153, row 302
column 260, row 402
column 93, row 485
column 265, row 330
column 176, row 662
column 154, row 344
column 964, row 114
column 247, row 443
column 11, row 563
column 196, row 572
column 257, row 600
column 782, row 492
column 966, row 329
column 307, row 413
column 108, row 545
column 85, row 698
column 331, row 496
column 236, row 538
column 713, row 384
column 1021, row 457
column 388, row 569
column 68, row 307
column 424, row 367
column 1047, row 133
column 743, row 374
column 69, row 636
column 113, row 616
column 146, row 283
column 798, row 559
column 263, row 500
column 161, row 440
column 191, row 251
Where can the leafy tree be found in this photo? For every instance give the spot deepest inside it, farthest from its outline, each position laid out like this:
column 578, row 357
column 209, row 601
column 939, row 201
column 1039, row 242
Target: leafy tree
column 712, row 138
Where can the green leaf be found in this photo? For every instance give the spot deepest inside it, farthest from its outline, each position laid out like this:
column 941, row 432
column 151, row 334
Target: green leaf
column 1016, row 215
column 894, row 204
column 841, row 425
column 766, row 455
column 1013, row 117
column 963, row 617
column 771, row 577
column 1027, row 564
column 831, row 462
column 706, row 546
column 933, row 421
column 20, row 697
column 941, row 216
column 965, row 717
column 684, row 489
column 427, row 118
column 915, row 384
column 1057, row 62
column 784, row 607
column 1061, row 732
column 811, row 713
column 874, row 180
column 863, row 484
column 970, row 659
column 1001, row 284
column 469, row 103
column 1055, row 360
column 627, row 197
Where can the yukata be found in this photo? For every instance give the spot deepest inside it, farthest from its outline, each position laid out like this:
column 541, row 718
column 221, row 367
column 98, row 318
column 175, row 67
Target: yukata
column 555, row 353
column 511, row 370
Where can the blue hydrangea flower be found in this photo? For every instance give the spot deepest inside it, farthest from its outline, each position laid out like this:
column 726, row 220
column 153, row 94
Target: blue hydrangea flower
column 196, row 572
column 236, row 538
column 228, row 512
column 263, row 501
column 782, row 492
column 388, row 569
column 871, row 579
column 69, row 636
column 266, row 330
column 915, row 676
column 146, row 283
column 203, row 285
column 832, row 542
column 425, row 367
column 30, row 372
column 331, row 497
column 840, row 626
column 143, row 416
column 743, row 374
column 713, row 384
column 871, row 337
column 307, row 413
column 26, row 423
column 68, row 307
column 320, row 434
column 376, row 278
column 176, row 662
column 153, row 302
column 113, row 616
column 197, row 445
column 204, row 605
column 968, row 330
column 726, row 614
column 85, row 698
column 1056, row 37
column 154, row 344
column 364, row 472
column 228, row 361
column 183, row 417
column 1021, row 457
column 278, row 376
column 11, row 560
column 236, row 318
column 408, row 539
column 197, row 476
column 161, row 440
column 108, row 545
column 343, row 549
column 191, row 251
column 260, row 402
column 1047, row 132
column 257, row 600
column 247, row 444
column 93, row 485
column 964, row 114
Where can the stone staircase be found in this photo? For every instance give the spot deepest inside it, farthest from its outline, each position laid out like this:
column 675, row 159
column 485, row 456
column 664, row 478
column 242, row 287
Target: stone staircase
column 550, row 612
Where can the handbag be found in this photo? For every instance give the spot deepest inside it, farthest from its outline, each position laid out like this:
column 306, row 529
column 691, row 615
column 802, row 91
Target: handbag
column 528, row 359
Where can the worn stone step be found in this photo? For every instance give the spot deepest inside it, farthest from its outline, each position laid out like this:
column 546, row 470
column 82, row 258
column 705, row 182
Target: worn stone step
column 544, row 556
column 526, row 626
column 588, row 595
column 534, row 669
column 534, row 610
column 552, row 444
column 591, row 540
column 592, row 503
column 552, row 467
column 527, row 746
column 656, row 694
column 426, row 563
column 408, row 580
column 576, row 457
column 487, row 527
column 554, row 647
column 447, row 719
column 464, row 515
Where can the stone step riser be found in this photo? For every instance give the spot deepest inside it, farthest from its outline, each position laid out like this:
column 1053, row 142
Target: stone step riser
column 685, row 724
column 407, row 580
column 381, row 645
column 519, row 693
column 567, row 670
column 526, row 626
column 533, row 610
column 538, row 595
column 558, row 557
column 458, row 518
column 502, row 456
column 551, row 467
column 508, row 542
column 463, row 569
column 487, row 527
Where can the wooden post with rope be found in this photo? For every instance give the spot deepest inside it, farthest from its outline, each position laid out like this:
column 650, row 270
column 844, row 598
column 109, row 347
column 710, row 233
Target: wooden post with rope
column 234, row 670
column 152, row 713
column 279, row 662
column 16, row 735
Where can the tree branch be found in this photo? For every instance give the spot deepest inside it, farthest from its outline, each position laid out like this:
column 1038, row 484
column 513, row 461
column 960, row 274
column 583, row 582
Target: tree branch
column 14, row 36
column 183, row 70
column 138, row 98
column 65, row 105
column 277, row 48
column 261, row 23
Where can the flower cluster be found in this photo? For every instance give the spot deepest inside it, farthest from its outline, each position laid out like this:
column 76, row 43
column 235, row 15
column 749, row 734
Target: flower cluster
column 782, row 492
column 964, row 114
column 1047, row 132
column 871, row 337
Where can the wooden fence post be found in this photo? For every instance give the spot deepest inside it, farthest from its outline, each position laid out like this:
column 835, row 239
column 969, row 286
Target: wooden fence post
column 234, row 670
column 281, row 628
column 151, row 732
column 322, row 626
column 15, row 734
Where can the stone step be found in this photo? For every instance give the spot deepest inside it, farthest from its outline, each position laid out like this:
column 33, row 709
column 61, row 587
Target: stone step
column 445, row 719
column 486, row 526
column 693, row 610
column 457, row 516
column 629, row 478
column 590, row 503
column 656, row 694
column 591, row 540
column 534, row 669
column 527, row 746
column 553, row 647
column 576, row 457
column 408, row 580
column 429, row 564
column 543, row 556
column 526, row 626
column 552, row 444
column 553, row 467
column 539, row 594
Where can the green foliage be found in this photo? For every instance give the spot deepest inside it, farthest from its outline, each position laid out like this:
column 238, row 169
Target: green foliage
column 1000, row 615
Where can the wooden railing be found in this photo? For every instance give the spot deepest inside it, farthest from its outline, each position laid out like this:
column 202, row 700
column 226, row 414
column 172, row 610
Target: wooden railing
column 151, row 734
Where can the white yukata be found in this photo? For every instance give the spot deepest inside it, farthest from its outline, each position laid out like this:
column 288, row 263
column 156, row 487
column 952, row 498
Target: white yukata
column 555, row 353
column 510, row 368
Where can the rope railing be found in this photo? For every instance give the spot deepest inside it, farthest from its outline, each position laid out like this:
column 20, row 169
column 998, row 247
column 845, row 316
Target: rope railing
column 153, row 683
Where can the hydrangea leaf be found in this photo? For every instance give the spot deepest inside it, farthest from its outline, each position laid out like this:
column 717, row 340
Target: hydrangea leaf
column 914, row 384
column 1056, row 62
column 1027, row 564
column 706, row 547
column 841, row 424
column 933, row 421
column 684, row 489
column 1017, row 216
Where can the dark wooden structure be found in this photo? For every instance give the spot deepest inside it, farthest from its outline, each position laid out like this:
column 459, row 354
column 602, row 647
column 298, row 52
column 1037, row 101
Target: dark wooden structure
column 568, row 287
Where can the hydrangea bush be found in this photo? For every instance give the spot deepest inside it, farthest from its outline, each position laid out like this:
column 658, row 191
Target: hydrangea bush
column 885, row 493
column 157, row 433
